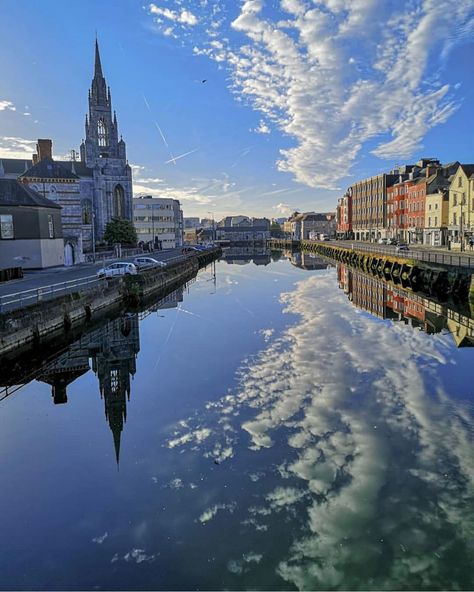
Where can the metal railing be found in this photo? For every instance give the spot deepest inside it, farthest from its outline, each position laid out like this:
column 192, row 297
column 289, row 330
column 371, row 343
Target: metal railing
column 35, row 295
column 418, row 254
column 10, row 302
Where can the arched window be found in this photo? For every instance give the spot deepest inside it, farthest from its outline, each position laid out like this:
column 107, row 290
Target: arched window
column 102, row 132
column 86, row 211
column 119, row 202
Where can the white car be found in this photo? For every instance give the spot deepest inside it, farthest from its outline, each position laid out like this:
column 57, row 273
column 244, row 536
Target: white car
column 147, row 262
column 116, row 269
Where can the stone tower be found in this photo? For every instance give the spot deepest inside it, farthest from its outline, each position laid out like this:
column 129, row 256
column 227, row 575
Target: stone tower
column 104, row 153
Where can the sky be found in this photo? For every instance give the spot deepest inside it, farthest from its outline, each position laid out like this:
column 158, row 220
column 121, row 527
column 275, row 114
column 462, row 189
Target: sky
column 256, row 107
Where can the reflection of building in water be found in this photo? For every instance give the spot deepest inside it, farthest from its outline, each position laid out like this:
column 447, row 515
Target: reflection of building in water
column 241, row 255
column 389, row 302
column 114, row 362
column 113, row 349
column 65, row 370
column 306, row 260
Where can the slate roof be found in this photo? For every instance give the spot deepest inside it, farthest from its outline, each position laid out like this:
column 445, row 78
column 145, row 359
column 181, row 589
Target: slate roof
column 47, row 168
column 13, row 193
column 18, row 166
column 468, row 169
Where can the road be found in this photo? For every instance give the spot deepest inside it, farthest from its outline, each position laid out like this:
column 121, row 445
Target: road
column 35, row 280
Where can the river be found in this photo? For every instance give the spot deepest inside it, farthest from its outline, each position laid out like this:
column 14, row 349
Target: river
column 277, row 424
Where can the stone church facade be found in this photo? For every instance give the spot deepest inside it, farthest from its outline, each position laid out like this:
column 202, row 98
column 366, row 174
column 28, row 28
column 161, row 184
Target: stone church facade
column 92, row 190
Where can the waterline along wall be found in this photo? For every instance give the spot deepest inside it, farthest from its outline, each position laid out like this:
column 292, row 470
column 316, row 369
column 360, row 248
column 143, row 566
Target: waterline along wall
column 40, row 323
column 437, row 280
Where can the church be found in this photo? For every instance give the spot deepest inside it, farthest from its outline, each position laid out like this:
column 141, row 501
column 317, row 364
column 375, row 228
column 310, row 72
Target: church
column 92, row 190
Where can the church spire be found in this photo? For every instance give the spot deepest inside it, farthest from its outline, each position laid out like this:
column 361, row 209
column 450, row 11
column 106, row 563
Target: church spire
column 98, row 65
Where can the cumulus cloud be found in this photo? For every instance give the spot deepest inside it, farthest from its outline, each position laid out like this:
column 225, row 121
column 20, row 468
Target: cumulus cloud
column 336, row 74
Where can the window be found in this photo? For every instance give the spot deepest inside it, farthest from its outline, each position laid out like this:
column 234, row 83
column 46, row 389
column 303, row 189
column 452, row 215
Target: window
column 455, row 200
column 6, row 226
column 436, row 220
column 101, row 133
column 429, row 221
column 50, row 226
column 455, row 218
column 459, row 181
column 87, row 212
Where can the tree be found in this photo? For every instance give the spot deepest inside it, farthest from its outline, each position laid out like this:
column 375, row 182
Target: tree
column 276, row 230
column 122, row 231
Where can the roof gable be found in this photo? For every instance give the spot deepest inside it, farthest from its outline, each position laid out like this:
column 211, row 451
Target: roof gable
column 13, row 193
column 47, row 168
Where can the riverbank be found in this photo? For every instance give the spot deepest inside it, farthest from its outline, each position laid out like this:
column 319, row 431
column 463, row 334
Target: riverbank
column 437, row 277
column 41, row 322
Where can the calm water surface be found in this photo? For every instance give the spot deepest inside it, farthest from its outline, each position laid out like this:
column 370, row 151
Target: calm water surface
column 258, row 431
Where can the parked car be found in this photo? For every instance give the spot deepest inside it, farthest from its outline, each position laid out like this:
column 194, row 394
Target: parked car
column 402, row 247
column 189, row 249
column 148, row 262
column 116, row 269
column 383, row 241
column 392, row 241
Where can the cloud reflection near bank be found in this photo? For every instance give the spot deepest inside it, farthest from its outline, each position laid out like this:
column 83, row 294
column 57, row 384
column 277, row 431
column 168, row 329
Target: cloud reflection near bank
column 375, row 455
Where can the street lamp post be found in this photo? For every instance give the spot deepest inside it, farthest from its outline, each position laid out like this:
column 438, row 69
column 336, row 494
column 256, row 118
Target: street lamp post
column 461, row 219
column 93, row 235
column 213, row 227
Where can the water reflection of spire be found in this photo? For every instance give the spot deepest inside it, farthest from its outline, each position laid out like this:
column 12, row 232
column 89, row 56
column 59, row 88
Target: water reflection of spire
column 389, row 302
column 112, row 350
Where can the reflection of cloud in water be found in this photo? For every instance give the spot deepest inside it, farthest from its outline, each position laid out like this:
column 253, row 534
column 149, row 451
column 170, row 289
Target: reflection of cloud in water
column 382, row 457
column 211, row 512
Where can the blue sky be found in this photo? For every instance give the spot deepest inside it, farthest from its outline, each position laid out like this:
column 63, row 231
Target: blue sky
column 302, row 96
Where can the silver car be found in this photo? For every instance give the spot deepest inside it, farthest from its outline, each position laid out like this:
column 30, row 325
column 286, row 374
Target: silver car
column 147, row 262
column 116, row 269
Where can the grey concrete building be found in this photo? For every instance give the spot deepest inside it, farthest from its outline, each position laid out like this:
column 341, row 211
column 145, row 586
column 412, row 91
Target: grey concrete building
column 31, row 234
column 158, row 221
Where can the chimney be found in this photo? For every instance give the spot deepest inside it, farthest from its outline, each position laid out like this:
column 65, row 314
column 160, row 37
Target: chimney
column 44, row 149
column 430, row 170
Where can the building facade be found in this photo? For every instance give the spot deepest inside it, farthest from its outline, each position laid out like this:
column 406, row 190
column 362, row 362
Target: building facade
column 344, row 216
column 311, row 224
column 241, row 229
column 158, row 222
column 31, row 234
column 461, row 207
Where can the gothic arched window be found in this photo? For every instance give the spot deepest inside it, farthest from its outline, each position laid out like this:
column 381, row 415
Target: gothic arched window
column 87, row 211
column 102, row 132
column 119, row 202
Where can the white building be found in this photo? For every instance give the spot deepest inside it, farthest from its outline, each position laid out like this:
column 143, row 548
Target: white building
column 158, row 221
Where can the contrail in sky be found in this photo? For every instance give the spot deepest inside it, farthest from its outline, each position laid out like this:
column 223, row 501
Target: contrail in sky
column 159, row 129
column 175, row 158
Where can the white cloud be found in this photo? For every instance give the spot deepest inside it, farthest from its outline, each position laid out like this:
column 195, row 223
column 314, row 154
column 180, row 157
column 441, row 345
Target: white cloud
column 336, row 74
column 262, row 128
column 211, row 512
column 7, row 106
column 182, row 16
column 14, row 147
column 100, row 539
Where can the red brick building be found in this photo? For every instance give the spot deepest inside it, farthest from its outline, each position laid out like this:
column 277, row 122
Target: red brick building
column 344, row 216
